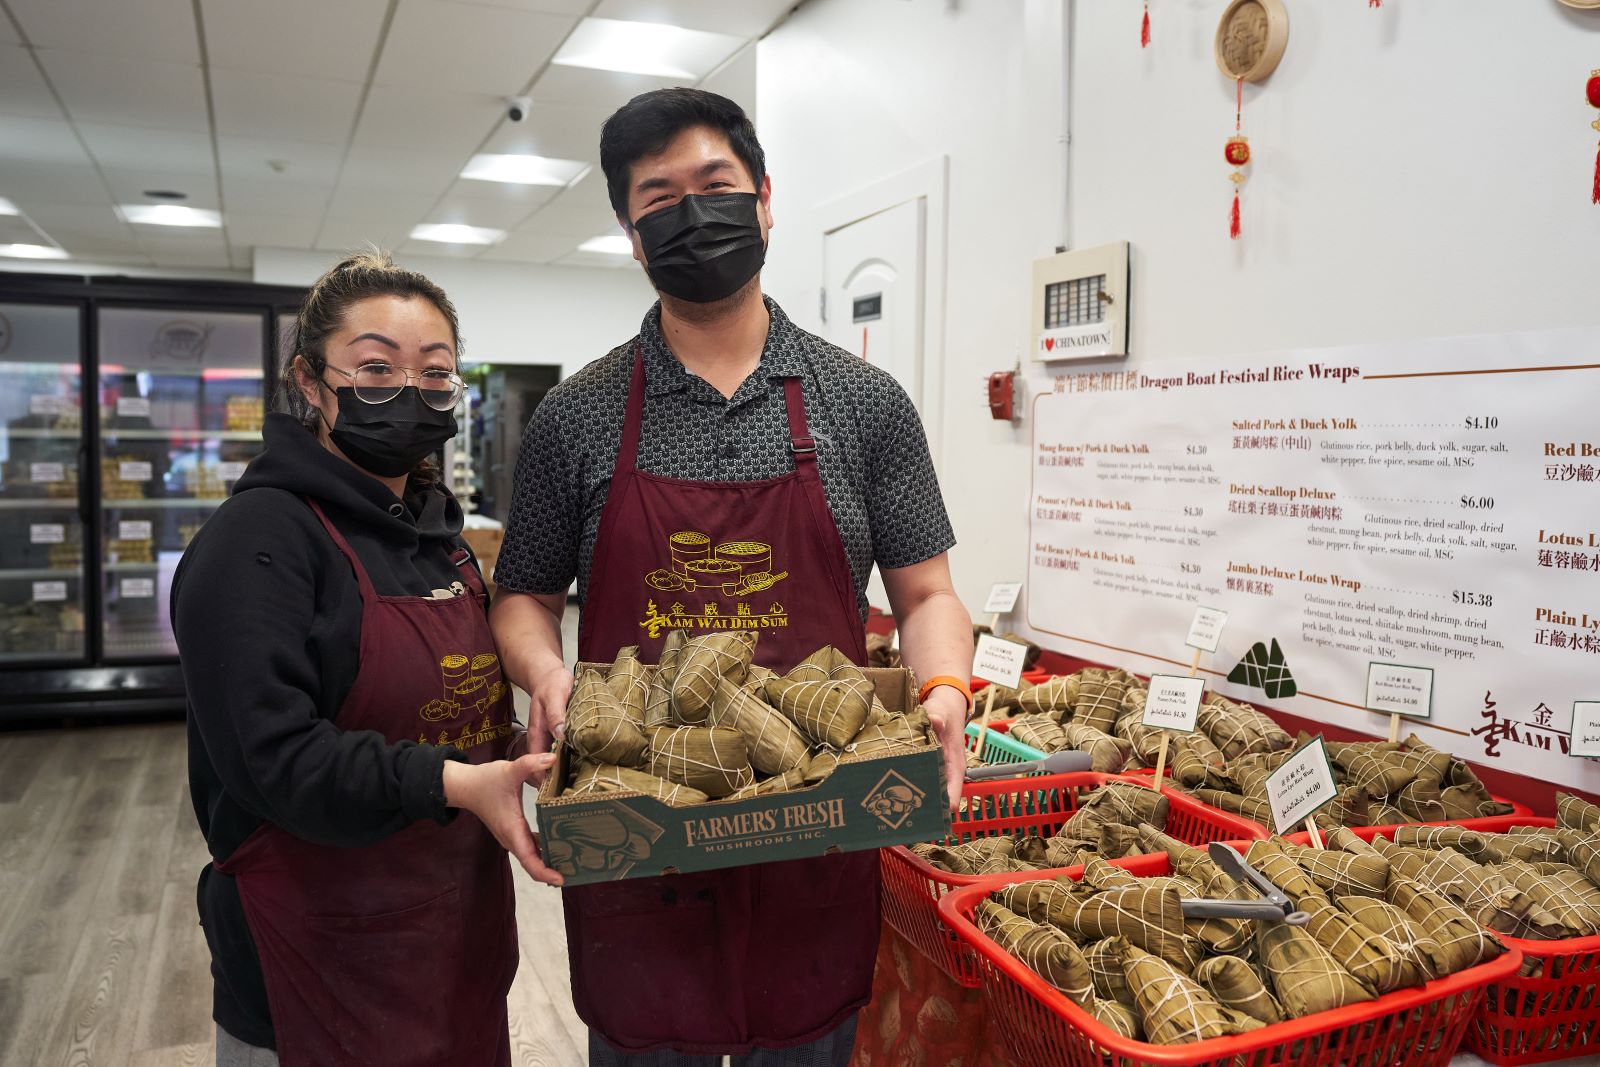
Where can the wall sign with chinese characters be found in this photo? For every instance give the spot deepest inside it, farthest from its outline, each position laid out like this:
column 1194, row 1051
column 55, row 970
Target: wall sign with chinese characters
column 1434, row 504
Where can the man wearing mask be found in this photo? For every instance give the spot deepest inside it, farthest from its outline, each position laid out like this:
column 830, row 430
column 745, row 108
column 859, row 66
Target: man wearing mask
column 723, row 425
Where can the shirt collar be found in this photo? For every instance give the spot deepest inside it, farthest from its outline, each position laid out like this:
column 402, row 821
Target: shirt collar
column 781, row 357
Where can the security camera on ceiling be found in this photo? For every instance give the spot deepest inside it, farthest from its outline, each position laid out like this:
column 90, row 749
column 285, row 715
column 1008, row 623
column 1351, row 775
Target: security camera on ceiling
column 517, row 107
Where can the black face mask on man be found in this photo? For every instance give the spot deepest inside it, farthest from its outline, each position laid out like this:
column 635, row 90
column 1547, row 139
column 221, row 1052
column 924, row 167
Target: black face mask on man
column 703, row 248
column 392, row 437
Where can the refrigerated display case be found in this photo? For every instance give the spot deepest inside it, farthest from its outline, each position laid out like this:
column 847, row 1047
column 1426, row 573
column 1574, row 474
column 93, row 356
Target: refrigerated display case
column 127, row 412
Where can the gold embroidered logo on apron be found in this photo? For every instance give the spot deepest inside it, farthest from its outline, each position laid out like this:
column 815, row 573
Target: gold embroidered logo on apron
column 735, row 570
column 472, row 687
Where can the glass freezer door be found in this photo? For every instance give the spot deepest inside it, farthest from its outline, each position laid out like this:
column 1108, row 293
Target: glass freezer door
column 181, row 403
column 41, row 518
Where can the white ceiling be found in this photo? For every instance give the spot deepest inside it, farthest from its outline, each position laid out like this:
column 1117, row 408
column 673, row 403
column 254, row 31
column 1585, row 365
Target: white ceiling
column 311, row 124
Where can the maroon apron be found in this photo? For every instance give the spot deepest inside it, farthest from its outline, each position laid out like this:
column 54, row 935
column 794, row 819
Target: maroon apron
column 400, row 952
column 769, row 955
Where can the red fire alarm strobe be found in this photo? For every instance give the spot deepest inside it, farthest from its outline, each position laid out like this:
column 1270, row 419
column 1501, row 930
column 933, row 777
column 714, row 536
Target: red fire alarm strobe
column 1003, row 395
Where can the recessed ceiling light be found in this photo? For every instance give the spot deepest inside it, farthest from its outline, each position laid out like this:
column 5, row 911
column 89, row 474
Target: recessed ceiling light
column 524, row 170
column 611, row 244
column 452, row 233
column 33, row 252
column 165, row 194
column 7, row 207
column 169, row 215
column 645, row 48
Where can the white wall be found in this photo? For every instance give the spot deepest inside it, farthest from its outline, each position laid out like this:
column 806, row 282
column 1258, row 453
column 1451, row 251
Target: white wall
column 1421, row 169
column 511, row 313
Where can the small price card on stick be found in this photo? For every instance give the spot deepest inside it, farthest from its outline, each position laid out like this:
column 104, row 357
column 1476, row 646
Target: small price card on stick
column 997, row 662
column 1302, row 787
column 1398, row 690
column 1002, row 599
column 1205, row 631
column 1586, row 728
column 1172, row 704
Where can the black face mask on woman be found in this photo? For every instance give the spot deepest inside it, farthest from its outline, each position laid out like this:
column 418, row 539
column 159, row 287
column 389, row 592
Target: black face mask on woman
column 392, row 437
column 703, row 248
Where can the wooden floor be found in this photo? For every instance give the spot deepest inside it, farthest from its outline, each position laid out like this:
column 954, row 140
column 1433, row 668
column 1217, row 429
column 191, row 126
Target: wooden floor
column 102, row 959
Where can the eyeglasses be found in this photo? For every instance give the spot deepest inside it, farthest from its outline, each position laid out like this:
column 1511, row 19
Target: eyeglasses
column 376, row 383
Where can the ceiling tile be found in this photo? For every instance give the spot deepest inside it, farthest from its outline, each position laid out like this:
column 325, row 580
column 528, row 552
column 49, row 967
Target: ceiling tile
column 499, row 214
column 297, row 200
column 399, row 170
column 582, row 209
column 738, row 18
column 603, row 89
column 339, row 235
column 359, row 203
column 552, row 7
column 468, row 47
column 128, row 186
column 276, row 107
column 527, row 246
column 162, row 30
column 276, row 37
column 435, row 249
column 48, row 141
column 16, row 230
column 301, row 161
column 122, row 91
column 447, row 123
column 53, row 217
column 561, row 131
column 22, row 90
column 169, row 150
column 576, row 258
column 191, row 257
column 50, row 182
column 8, row 35
column 96, row 241
column 276, row 231
column 527, row 197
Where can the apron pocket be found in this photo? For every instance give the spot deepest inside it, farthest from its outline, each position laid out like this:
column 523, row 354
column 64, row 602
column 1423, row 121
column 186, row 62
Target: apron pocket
column 658, row 959
column 391, row 977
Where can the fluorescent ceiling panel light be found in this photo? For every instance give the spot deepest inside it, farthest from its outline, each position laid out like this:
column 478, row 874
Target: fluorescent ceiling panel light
column 33, row 252
column 645, row 48
column 170, row 215
column 524, row 170
column 611, row 244
column 451, row 233
column 7, row 207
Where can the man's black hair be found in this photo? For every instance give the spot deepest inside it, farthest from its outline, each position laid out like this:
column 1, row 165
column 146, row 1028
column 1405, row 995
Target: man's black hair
column 647, row 124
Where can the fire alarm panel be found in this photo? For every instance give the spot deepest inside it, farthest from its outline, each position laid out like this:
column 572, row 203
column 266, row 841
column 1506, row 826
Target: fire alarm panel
column 1080, row 304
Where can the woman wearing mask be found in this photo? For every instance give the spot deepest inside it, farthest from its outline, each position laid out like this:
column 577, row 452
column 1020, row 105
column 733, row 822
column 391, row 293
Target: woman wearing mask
column 349, row 727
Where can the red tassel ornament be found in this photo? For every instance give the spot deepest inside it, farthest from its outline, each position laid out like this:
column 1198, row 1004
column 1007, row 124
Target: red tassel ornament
column 1237, row 153
column 1592, row 90
column 1144, row 30
column 1374, row 3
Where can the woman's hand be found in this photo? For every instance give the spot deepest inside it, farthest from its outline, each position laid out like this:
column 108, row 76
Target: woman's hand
column 493, row 792
column 947, row 711
column 547, row 710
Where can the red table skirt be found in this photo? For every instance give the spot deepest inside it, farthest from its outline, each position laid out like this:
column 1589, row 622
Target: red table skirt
column 918, row 1017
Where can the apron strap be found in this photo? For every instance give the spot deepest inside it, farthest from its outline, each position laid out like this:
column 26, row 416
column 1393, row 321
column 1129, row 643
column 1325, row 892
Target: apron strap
column 801, row 443
column 628, row 449
column 367, row 591
column 471, row 571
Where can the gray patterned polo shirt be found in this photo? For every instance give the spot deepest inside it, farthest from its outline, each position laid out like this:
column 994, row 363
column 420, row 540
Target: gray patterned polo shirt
column 871, row 451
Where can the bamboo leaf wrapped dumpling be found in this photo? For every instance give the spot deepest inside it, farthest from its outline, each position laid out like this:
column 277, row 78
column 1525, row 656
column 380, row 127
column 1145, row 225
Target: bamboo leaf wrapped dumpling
column 775, row 744
column 1150, row 917
column 599, row 728
column 1048, row 696
column 1046, row 950
column 1461, row 942
column 658, row 703
column 605, row 778
column 1109, row 754
column 1038, row 731
column 1305, row 977
column 1173, row 1008
column 712, row 759
column 704, row 662
column 629, row 680
column 829, row 713
column 1236, row 985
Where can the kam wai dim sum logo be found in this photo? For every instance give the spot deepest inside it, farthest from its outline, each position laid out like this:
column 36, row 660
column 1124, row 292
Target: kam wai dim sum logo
column 704, row 577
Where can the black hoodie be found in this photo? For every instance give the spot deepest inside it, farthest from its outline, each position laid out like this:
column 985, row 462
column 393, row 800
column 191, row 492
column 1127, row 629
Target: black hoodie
column 267, row 615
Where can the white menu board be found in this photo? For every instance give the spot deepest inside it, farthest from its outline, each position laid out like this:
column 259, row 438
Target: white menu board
column 1432, row 503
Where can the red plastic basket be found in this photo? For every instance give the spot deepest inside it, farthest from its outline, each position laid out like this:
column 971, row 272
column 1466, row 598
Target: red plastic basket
column 1419, row 1027
column 1552, row 1013
column 1016, row 807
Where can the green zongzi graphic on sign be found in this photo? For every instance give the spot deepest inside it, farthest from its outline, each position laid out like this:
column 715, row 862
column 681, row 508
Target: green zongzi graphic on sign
column 1265, row 670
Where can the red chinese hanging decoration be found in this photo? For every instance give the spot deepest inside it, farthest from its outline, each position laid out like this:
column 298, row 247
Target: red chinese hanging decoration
column 1144, row 30
column 1237, row 153
column 1374, row 3
column 1593, row 90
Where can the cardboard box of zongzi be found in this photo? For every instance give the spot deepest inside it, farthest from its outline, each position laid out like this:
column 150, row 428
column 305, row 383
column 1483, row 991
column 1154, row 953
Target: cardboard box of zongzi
column 891, row 794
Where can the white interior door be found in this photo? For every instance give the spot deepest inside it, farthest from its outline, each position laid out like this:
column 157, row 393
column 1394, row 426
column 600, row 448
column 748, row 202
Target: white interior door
column 873, row 301
column 873, row 280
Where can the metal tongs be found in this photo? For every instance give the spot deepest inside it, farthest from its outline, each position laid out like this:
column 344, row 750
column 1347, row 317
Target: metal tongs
column 1055, row 763
column 1273, row 906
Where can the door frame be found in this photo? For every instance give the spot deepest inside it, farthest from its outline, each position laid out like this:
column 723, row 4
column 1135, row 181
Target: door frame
column 928, row 181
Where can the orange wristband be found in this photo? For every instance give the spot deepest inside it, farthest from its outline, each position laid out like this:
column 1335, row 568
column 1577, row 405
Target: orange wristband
column 958, row 684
